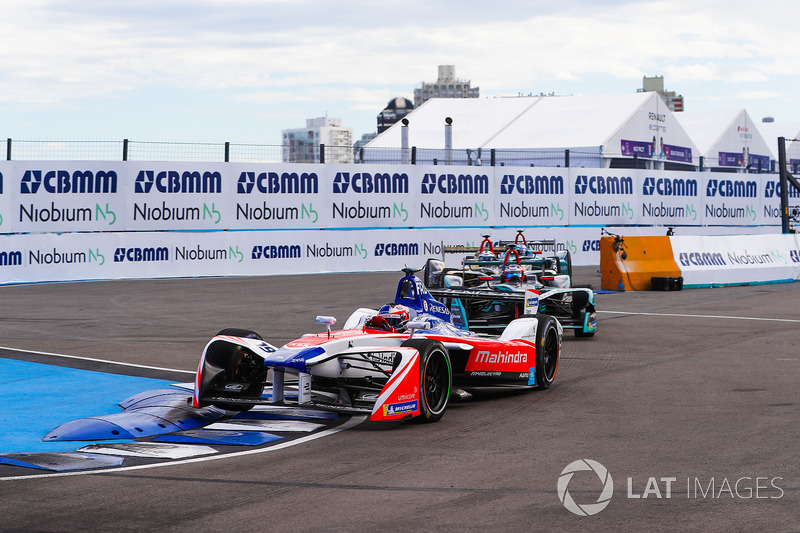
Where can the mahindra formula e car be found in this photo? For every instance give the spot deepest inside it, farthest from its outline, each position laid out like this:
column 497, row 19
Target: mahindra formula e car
column 400, row 362
column 490, row 290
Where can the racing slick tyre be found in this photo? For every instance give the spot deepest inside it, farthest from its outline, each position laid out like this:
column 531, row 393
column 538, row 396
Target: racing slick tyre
column 547, row 351
column 435, row 377
column 240, row 365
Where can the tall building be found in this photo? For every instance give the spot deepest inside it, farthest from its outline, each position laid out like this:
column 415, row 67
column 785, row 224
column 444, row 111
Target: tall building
column 447, row 86
column 655, row 84
column 394, row 111
column 301, row 145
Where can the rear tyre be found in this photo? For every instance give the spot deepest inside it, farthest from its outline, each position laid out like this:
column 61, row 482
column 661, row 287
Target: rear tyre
column 435, row 377
column 548, row 350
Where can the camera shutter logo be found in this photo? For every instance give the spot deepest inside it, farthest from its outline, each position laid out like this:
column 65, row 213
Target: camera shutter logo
column 587, row 509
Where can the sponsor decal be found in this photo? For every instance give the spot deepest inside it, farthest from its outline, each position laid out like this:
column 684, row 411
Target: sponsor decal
column 183, row 253
column 669, row 211
column 701, row 259
column 455, row 184
column 326, row 250
column 604, row 185
column 265, row 212
column 732, row 188
column 486, row 356
column 271, row 251
column 65, row 182
column 395, row 249
column 601, row 210
column 669, row 187
column 399, row 408
column 165, row 213
column 60, row 257
column 136, row 255
column 275, row 183
column 540, row 185
column 724, row 211
column 386, row 358
column 591, row 245
column 173, row 182
column 445, row 211
column 772, row 189
column 10, row 258
column 507, row 210
column 365, row 183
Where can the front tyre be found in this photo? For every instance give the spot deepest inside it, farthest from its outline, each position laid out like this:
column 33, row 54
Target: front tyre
column 435, row 377
column 548, row 349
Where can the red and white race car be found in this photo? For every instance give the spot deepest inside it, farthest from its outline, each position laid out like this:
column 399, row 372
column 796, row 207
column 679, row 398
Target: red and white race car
column 400, row 362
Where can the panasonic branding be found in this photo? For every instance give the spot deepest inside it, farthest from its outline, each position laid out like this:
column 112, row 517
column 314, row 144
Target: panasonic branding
column 365, row 183
column 274, row 183
column 173, row 182
column 669, row 187
column 732, row 188
column 604, row 185
column 452, row 184
column 511, row 184
column 64, row 182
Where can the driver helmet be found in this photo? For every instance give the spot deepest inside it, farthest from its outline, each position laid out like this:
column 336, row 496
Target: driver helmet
column 486, row 256
column 523, row 251
column 513, row 274
column 396, row 316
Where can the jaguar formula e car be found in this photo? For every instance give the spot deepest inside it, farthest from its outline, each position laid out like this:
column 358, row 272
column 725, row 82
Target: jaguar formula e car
column 489, row 290
column 400, row 362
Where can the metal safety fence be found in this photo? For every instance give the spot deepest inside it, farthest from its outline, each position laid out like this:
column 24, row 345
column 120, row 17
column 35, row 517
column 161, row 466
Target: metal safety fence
column 210, row 152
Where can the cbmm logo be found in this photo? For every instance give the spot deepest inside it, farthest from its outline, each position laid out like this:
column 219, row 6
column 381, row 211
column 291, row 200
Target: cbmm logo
column 365, row 183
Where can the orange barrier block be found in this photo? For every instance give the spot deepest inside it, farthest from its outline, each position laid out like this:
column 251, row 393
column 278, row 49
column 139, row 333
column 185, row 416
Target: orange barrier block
column 628, row 263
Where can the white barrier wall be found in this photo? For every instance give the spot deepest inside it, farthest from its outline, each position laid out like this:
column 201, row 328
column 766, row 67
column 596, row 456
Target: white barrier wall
column 741, row 259
column 61, row 207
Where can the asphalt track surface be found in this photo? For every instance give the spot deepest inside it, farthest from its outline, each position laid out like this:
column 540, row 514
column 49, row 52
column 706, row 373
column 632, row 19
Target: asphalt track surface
column 698, row 385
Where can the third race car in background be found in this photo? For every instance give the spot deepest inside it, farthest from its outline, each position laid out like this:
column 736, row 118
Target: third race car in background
column 495, row 285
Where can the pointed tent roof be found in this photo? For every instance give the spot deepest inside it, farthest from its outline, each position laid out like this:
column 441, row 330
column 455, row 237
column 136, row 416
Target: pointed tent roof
column 723, row 131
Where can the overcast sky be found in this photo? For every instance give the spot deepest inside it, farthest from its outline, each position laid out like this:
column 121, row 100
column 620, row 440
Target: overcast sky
column 243, row 70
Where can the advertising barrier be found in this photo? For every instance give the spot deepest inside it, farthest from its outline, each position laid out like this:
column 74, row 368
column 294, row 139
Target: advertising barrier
column 630, row 263
column 52, row 208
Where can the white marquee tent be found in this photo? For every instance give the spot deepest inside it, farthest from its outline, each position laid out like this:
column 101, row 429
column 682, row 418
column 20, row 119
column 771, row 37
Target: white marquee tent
column 598, row 131
column 728, row 140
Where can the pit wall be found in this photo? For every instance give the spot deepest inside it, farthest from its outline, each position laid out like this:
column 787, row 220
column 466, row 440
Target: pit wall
column 67, row 220
column 702, row 261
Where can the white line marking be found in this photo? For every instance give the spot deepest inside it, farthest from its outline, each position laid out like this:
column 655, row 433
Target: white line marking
column 347, row 425
column 792, row 320
column 98, row 360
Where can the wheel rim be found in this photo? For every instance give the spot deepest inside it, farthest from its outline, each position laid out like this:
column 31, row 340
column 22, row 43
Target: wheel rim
column 435, row 384
column 550, row 355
